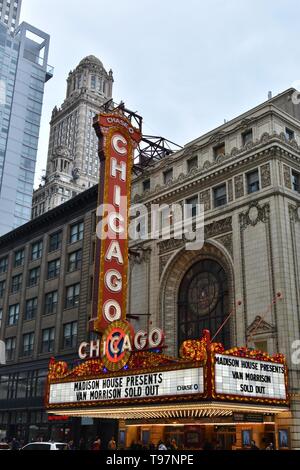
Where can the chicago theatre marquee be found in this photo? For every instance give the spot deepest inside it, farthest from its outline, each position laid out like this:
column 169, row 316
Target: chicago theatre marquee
column 189, row 344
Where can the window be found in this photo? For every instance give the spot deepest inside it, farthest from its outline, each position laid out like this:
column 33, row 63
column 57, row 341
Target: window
column 192, row 163
column 93, row 82
column 36, row 250
column 70, row 335
column 51, row 302
column 220, row 197
column 55, row 241
column 74, row 262
column 19, row 258
column 10, row 348
column 3, row 265
column 47, row 340
column 16, row 283
column 253, row 181
column 203, row 302
column 290, row 135
column 72, row 297
column 191, row 207
column 34, row 277
column 31, row 308
column 295, row 181
column 247, row 137
column 168, row 175
column 76, row 232
column 13, row 314
column 2, row 288
column 28, row 342
column 53, row 268
column 219, row 150
column 146, row 185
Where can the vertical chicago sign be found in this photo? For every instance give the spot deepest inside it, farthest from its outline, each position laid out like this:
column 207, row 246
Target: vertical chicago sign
column 117, row 140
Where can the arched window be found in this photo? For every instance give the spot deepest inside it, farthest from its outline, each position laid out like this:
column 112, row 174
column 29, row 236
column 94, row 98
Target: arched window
column 203, row 302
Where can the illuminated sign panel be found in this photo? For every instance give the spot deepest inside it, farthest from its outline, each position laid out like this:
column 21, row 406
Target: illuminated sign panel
column 245, row 377
column 126, row 387
column 117, row 139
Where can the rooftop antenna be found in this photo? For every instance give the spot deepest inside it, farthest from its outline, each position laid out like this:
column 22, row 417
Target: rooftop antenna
column 269, row 95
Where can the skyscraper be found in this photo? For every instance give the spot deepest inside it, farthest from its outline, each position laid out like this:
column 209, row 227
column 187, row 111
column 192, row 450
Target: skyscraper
column 23, row 74
column 72, row 164
column 10, row 13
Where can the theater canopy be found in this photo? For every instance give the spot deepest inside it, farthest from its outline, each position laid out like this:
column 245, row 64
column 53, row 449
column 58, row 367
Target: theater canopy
column 206, row 381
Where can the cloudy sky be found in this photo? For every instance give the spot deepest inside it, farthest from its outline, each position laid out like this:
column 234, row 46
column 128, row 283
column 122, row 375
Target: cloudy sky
column 185, row 66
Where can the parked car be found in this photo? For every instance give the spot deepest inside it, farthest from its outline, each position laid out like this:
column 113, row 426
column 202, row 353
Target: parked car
column 4, row 446
column 46, row 446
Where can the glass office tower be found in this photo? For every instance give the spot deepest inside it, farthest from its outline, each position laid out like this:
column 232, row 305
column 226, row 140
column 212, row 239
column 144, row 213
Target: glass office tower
column 10, row 13
column 23, row 74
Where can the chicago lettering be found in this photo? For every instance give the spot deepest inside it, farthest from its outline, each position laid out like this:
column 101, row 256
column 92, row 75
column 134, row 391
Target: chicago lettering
column 140, row 341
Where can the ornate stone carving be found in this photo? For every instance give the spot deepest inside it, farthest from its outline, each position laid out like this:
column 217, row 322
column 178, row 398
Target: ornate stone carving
column 230, row 191
column 254, row 215
column 294, row 212
column 287, row 176
column 265, row 138
column 259, row 326
column 214, row 229
column 163, row 260
column 294, row 144
column 218, row 227
column 205, row 199
column 282, row 136
column 226, row 240
column 207, row 164
column 234, row 151
column 218, row 137
column 265, row 171
column 220, row 158
column 239, row 186
column 170, row 245
column 248, row 146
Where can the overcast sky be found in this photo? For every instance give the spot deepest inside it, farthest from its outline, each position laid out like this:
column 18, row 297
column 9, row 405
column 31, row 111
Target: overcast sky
column 184, row 65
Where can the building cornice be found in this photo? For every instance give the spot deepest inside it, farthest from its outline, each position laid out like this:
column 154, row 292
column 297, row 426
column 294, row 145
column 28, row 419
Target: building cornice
column 223, row 165
column 217, row 135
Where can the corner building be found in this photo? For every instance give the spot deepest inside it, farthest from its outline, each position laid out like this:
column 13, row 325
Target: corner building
column 246, row 173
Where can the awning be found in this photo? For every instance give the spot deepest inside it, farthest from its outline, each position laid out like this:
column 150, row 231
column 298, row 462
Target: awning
column 179, row 410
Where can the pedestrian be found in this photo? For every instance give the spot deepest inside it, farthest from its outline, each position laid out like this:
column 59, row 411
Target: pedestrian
column 71, row 445
column 96, row 445
column 173, row 445
column 112, row 445
column 151, row 446
column 15, row 444
column 161, row 446
column 82, row 444
column 270, row 446
column 253, row 445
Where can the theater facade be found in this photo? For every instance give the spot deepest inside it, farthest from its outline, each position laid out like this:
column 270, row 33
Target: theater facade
column 199, row 345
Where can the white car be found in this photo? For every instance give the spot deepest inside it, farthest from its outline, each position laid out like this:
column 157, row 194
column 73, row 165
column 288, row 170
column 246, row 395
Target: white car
column 46, row 446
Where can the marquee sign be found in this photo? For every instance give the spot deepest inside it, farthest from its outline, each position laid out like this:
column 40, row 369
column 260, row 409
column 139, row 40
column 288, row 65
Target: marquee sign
column 204, row 372
column 243, row 377
column 117, row 140
column 153, row 385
